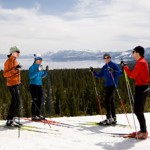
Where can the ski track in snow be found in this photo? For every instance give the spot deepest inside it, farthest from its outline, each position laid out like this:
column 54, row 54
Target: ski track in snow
column 78, row 136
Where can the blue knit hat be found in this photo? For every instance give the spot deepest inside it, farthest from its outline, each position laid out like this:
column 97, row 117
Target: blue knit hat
column 37, row 57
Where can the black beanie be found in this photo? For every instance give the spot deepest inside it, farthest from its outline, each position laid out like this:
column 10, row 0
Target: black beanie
column 140, row 50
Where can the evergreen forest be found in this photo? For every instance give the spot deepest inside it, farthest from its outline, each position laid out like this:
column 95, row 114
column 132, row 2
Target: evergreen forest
column 67, row 92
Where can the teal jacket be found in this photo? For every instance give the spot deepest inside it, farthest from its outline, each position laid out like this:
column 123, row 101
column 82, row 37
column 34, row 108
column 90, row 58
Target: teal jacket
column 35, row 75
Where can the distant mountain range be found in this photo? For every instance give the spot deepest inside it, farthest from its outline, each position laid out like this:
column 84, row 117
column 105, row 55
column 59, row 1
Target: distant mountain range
column 76, row 55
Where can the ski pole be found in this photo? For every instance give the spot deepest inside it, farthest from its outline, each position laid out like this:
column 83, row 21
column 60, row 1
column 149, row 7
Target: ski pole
column 147, row 90
column 36, row 106
column 119, row 97
column 48, row 89
column 98, row 98
column 40, row 112
column 19, row 108
column 130, row 95
column 18, row 90
column 18, row 111
column 48, row 94
column 43, row 103
column 128, row 87
column 19, row 116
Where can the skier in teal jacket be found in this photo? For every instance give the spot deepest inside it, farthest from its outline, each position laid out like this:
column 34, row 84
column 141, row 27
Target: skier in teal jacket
column 36, row 74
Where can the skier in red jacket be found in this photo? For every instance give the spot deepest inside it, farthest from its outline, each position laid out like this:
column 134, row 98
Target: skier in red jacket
column 140, row 74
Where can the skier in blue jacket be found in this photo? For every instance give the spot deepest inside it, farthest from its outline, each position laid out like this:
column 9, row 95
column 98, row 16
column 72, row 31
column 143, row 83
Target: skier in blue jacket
column 36, row 74
column 108, row 70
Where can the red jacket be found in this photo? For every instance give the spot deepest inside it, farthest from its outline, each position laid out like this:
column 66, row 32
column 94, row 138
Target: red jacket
column 140, row 73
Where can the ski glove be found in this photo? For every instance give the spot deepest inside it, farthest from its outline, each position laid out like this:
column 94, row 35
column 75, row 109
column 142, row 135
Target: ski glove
column 18, row 67
column 47, row 68
column 122, row 63
column 91, row 69
column 111, row 70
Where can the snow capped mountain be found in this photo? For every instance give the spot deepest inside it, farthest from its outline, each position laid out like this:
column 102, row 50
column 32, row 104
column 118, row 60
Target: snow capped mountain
column 91, row 55
column 127, row 55
column 72, row 55
column 77, row 55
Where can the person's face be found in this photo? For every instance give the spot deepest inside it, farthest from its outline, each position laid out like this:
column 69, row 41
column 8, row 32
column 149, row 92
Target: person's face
column 39, row 61
column 16, row 54
column 135, row 55
column 107, row 59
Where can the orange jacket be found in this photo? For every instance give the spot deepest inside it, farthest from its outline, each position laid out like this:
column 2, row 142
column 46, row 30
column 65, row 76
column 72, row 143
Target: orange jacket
column 12, row 75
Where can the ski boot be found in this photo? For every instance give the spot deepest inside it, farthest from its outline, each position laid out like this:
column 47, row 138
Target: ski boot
column 11, row 123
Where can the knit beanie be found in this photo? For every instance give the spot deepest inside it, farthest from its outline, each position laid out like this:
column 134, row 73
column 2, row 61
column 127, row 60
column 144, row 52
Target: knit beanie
column 14, row 49
column 37, row 57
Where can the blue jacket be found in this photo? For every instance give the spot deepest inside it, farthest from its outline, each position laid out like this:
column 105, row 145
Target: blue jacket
column 106, row 74
column 35, row 75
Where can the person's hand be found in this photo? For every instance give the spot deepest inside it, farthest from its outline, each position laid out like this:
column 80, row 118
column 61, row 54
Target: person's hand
column 122, row 63
column 18, row 67
column 40, row 68
column 47, row 68
column 91, row 69
column 111, row 70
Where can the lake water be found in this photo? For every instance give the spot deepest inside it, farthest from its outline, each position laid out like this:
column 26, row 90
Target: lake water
column 26, row 63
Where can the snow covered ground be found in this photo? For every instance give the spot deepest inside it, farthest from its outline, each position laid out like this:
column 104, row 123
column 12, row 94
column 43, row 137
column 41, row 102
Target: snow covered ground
column 75, row 134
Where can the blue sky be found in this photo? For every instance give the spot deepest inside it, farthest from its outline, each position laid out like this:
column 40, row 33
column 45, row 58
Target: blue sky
column 52, row 7
column 53, row 25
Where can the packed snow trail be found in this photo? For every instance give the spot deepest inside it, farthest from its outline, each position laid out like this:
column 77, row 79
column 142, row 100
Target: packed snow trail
column 81, row 136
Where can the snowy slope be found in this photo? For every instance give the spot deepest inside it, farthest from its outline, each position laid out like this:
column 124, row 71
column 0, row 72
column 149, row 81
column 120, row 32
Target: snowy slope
column 75, row 136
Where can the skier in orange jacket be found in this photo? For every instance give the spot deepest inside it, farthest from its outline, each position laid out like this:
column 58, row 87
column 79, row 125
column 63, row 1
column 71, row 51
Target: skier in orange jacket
column 12, row 74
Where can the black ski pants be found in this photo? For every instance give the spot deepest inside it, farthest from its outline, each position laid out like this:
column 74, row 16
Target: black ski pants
column 15, row 102
column 109, row 101
column 36, row 94
column 139, row 103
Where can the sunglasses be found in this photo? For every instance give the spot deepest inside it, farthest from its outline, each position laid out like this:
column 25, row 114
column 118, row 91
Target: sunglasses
column 106, row 57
